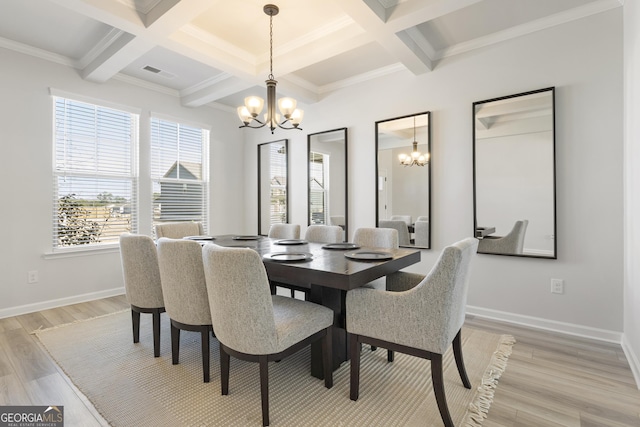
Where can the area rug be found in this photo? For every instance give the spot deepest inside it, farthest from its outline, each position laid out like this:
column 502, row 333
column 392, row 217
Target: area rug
column 129, row 387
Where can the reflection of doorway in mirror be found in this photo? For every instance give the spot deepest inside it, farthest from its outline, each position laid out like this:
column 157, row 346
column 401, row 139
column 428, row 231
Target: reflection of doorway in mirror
column 319, row 197
column 383, row 194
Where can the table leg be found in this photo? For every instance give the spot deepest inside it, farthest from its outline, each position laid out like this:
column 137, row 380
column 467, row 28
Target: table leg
column 335, row 300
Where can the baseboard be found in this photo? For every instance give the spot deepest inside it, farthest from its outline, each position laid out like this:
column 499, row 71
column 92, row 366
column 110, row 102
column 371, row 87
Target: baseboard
column 46, row 305
column 547, row 325
column 632, row 358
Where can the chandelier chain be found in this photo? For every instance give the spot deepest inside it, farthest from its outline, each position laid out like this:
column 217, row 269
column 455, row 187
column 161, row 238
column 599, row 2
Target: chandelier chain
column 271, row 47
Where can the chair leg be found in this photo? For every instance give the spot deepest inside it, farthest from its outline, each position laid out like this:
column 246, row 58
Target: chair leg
column 355, row 348
column 204, row 333
column 437, row 380
column 135, row 321
column 457, row 352
column 327, row 358
column 293, row 293
column 264, row 389
column 390, row 355
column 225, row 360
column 175, row 344
column 374, row 348
column 156, row 331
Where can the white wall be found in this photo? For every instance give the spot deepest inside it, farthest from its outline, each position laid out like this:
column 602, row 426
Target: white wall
column 585, row 66
column 631, row 342
column 26, row 181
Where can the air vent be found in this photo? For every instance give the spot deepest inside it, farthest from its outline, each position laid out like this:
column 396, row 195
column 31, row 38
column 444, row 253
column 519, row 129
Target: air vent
column 158, row 71
column 151, row 69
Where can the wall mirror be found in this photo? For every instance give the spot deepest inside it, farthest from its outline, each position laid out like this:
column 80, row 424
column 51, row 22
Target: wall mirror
column 403, row 171
column 273, row 185
column 514, row 174
column 327, row 174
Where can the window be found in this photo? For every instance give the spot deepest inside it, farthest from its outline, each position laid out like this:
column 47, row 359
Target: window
column 318, row 198
column 95, row 174
column 179, row 172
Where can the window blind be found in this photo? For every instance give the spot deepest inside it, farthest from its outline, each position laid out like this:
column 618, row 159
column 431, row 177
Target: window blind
column 95, row 174
column 278, row 174
column 317, row 188
column 179, row 172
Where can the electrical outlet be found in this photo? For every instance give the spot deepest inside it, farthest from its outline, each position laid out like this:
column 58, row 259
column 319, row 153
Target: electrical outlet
column 557, row 286
column 32, row 276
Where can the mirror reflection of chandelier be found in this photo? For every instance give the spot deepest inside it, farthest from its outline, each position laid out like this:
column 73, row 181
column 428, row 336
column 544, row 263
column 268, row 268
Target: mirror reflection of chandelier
column 415, row 158
column 252, row 107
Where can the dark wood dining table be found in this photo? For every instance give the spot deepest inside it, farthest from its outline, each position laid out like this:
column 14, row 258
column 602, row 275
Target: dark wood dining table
column 329, row 274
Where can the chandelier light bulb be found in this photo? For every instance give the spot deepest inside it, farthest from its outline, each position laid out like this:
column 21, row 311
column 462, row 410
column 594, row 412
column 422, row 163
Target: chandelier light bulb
column 287, row 106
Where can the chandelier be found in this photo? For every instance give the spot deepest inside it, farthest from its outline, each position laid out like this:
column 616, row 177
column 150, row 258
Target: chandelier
column 415, row 158
column 249, row 113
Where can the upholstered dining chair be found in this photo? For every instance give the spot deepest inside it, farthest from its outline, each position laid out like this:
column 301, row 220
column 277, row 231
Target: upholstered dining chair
column 422, row 218
column 185, row 294
column 376, row 237
column 401, row 226
column 284, row 231
column 178, row 230
column 512, row 243
column 324, row 234
column 422, row 317
column 253, row 325
column 142, row 285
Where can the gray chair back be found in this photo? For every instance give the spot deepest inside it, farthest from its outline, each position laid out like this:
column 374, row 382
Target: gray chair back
column 140, row 270
column 237, row 282
column 405, row 218
column 178, row 230
column 324, row 233
column 401, row 226
column 183, row 281
column 337, row 220
column 421, row 229
column 284, row 231
column 376, row 238
column 512, row 243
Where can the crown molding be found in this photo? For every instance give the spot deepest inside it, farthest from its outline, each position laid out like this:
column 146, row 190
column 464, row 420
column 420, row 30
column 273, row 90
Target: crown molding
column 360, row 78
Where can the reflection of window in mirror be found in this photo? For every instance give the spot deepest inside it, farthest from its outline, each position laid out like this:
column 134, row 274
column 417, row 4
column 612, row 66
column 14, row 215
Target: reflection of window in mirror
column 327, row 178
column 318, row 186
column 403, row 185
column 272, row 185
column 514, row 174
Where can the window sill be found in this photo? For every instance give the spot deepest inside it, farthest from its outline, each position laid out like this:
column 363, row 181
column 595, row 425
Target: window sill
column 78, row 252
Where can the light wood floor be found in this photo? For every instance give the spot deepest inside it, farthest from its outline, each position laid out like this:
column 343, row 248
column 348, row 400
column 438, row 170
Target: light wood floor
column 551, row 379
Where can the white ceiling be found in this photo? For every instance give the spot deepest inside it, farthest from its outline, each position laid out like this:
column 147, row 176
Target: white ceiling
column 211, row 51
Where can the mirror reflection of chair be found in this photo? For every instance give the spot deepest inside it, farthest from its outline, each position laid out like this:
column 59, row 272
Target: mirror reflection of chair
column 178, row 230
column 401, row 226
column 512, row 243
column 437, row 306
column 284, row 231
column 422, row 218
column 185, row 294
column 405, row 218
column 337, row 220
column 142, row 284
column 262, row 328
column 421, row 230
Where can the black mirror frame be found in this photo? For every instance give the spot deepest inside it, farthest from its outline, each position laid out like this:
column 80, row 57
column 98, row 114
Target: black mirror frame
column 428, row 113
column 286, row 145
column 346, row 177
column 552, row 89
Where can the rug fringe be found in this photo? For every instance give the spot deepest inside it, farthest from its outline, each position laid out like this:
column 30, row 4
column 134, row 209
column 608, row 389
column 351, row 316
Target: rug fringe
column 41, row 329
column 479, row 407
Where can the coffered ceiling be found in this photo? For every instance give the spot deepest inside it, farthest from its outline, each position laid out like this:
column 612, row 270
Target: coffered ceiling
column 212, row 51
